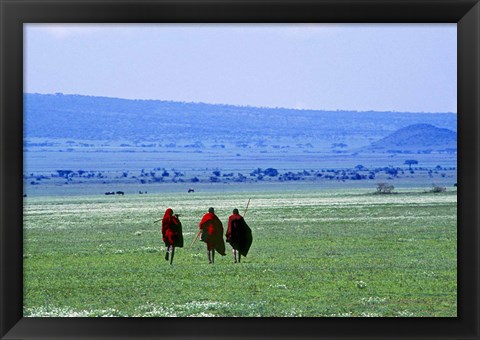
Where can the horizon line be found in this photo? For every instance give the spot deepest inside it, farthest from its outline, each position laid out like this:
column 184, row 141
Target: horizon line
column 235, row 105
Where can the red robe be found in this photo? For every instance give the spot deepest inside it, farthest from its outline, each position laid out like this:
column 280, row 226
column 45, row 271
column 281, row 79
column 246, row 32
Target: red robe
column 232, row 232
column 212, row 232
column 172, row 229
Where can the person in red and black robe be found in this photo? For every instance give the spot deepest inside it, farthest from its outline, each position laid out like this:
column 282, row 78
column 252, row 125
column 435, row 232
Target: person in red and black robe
column 239, row 235
column 171, row 233
column 212, row 234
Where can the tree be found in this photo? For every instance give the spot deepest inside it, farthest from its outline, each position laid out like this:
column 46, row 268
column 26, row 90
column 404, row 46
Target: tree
column 409, row 162
column 391, row 171
column 271, row 172
column 64, row 173
column 339, row 145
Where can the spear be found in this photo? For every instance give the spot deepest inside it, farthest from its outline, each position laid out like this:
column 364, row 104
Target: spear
column 246, row 207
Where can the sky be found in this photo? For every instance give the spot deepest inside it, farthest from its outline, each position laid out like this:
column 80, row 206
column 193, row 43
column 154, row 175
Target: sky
column 360, row 67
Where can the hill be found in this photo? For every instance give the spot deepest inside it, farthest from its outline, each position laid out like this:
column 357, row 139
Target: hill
column 79, row 117
column 419, row 138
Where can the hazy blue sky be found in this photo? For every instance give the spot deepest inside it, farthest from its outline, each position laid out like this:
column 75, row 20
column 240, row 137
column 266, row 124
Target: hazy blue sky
column 399, row 67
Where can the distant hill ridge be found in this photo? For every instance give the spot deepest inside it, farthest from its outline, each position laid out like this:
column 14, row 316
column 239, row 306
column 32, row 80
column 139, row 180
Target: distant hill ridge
column 103, row 118
column 418, row 137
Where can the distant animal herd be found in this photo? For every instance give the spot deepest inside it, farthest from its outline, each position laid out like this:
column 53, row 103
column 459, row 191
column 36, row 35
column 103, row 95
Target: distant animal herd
column 121, row 193
column 113, row 193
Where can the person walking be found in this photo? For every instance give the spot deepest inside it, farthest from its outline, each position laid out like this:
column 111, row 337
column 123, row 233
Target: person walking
column 171, row 233
column 239, row 235
column 212, row 234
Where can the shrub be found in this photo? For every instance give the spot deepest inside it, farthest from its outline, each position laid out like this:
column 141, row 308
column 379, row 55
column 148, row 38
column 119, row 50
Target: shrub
column 271, row 172
column 384, row 188
column 64, row 173
column 391, row 171
column 437, row 189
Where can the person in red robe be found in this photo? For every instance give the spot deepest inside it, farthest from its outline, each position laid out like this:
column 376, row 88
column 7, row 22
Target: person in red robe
column 171, row 233
column 212, row 234
column 239, row 235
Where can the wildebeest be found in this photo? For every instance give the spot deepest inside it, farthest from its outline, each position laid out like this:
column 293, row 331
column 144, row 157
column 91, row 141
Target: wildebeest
column 120, row 193
column 109, row 193
column 191, row 190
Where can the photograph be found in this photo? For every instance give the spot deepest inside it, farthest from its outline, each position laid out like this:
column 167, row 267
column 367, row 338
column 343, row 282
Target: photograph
column 239, row 169
column 252, row 170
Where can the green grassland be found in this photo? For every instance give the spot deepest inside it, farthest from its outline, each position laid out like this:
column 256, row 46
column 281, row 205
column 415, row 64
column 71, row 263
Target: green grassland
column 326, row 252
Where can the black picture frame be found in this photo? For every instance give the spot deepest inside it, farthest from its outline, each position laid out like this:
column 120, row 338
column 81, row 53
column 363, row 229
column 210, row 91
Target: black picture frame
column 14, row 13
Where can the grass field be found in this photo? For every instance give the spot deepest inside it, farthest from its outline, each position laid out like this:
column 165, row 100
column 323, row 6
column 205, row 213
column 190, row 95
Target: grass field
column 315, row 253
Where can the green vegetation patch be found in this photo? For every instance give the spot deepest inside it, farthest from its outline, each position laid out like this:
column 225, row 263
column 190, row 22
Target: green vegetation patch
column 315, row 253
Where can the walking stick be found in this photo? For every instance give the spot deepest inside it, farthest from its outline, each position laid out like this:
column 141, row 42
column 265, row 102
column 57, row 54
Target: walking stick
column 246, row 207
column 199, row 232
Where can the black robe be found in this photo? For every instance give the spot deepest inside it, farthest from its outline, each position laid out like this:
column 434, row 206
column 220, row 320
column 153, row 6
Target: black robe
column 239, row 234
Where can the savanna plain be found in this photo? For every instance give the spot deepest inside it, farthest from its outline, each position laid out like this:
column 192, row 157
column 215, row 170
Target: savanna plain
column 316, row 252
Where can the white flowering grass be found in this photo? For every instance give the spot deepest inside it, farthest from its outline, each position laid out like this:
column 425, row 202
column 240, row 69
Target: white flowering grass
column 69, row 312
column 373, row 300
column 279, row 286
column 361, row 284
column 370, row 315
column 405, row 313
